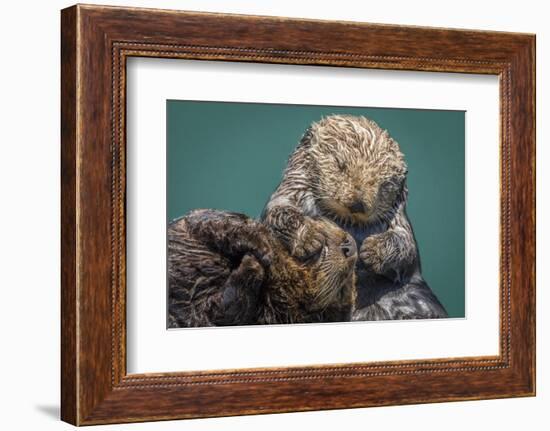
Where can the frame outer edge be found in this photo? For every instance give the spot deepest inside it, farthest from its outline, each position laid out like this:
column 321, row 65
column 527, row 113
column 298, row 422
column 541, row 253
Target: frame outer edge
column 69, row 202
column 532, row 100
column 530, row 81
column 533, row 53
column 523, row 252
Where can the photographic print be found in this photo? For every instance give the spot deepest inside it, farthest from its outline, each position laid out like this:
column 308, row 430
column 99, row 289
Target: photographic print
column 287, row 214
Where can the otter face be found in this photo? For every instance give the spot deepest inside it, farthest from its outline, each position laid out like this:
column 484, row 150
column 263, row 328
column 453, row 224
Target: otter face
column 333, row 267
column 359, row 170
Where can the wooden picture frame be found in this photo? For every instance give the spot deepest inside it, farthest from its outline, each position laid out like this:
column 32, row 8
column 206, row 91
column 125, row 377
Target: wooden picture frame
column 96, row 41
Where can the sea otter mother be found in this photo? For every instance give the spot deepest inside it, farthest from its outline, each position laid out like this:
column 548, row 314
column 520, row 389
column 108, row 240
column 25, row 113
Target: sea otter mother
column 227, row 269
column 349, row 170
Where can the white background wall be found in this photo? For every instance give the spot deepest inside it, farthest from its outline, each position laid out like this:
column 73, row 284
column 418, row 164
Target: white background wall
column 29, row 214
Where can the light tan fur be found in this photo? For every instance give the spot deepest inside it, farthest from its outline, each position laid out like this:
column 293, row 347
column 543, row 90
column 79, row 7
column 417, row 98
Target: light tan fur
column 351, row 171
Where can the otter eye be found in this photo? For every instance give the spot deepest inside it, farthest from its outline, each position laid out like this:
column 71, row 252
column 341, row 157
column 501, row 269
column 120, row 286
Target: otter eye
column 314, row 257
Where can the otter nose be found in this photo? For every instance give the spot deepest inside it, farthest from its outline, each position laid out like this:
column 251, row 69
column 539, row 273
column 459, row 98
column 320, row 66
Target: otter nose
column 349, row 248
column 358, row 207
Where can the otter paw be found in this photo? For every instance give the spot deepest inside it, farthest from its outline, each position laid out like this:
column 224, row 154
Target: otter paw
column 249, row 273
column 310, row 240
column 242, row 291
column 263, row 253
column 372, row 254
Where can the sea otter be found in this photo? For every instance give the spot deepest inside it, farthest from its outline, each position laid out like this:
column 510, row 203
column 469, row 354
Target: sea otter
column 227, row 269
column 349, row 170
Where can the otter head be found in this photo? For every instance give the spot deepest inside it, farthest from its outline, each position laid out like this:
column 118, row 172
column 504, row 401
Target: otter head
column 358, row 170
column 332, row 269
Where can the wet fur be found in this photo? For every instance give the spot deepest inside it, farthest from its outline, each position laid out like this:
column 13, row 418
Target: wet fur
column 228, row 269
column 349, row 170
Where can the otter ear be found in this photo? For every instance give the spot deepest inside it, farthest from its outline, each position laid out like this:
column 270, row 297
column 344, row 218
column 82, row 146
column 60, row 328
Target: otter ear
column 404, row 193
column 306, row 138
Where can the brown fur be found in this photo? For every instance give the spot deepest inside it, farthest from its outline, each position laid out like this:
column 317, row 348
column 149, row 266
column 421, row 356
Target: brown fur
column 227, row 269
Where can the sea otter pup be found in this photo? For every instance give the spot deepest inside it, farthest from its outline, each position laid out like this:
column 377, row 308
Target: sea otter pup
column 349, row 170
column 228, row 269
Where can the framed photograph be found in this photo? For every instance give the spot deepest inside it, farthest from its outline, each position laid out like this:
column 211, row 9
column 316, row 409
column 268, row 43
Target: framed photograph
column 264, row 214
